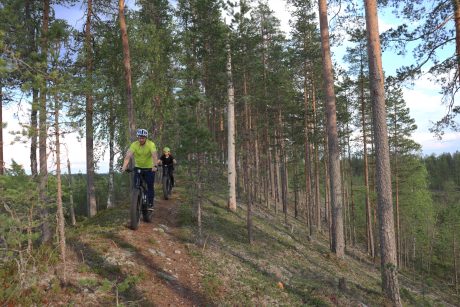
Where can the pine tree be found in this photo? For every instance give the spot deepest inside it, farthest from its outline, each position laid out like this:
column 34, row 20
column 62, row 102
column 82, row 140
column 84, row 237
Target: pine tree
column 389, row 269
column 338, row 240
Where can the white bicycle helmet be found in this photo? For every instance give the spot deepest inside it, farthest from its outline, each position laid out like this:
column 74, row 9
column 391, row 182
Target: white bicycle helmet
column 142, row 132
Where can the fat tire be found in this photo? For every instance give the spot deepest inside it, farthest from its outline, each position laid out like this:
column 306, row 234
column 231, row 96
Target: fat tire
column 165, row 186
column 169, row 185
column 147, row 215
column 134, row 211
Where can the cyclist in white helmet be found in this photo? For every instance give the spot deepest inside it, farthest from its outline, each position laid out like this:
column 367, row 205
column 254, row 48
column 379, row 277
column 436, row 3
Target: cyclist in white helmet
column 145, row 156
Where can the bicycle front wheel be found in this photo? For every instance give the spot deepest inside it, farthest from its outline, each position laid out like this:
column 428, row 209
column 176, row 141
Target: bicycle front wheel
column 135, row 209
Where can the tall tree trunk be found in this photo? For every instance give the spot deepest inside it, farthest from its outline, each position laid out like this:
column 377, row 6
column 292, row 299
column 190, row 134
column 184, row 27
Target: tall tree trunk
column 127, row 67
column 457, row 33
column 111, row 198
column 317, row 203
column 60, row 209
column 327, row 203
column 231, row 135
column 396, row 174
column 90, row 188
column 389, row 268
column 33, row 114
column 369, row 224
column 34, row 134
column 308, row 164
column 43, row 133
column 72, row 210
column 352, row 196
column 338, row 240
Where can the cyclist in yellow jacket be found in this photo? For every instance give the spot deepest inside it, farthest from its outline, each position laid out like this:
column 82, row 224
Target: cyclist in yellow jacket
column 145, row 156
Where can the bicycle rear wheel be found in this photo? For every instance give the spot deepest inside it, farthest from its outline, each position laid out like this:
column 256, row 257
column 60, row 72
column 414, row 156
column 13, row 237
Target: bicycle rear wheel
column 166, row 183
column 169, row 185
column 135, row 209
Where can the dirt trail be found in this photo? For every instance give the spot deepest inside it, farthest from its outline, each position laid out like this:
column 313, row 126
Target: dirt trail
column 171, row 276
column 152, row 260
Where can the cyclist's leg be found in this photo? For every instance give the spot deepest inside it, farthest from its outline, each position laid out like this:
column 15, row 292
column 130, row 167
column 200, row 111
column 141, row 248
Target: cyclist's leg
column 149, row 179
column 171, row 174
column 137, row 179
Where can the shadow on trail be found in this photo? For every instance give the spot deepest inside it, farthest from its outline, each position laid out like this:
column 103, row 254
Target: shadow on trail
column 182, row 290
column 98, row 265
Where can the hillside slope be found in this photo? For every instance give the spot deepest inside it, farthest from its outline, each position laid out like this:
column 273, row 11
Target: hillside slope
column 161, row 264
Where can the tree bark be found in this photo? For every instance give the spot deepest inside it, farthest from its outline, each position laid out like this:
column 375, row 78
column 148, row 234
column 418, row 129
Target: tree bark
column 308, row 164
column 231, row 135
column 43, row 134
column 316, row 156
column 34, row 134
column 33, row 115
column 338, row 240
column 457, row 34
column 396, row 174
column 90, row 185
column 127, row 68
column 60, row 209
column 111, row 198
column 72, row 210
column 369, row 225
column 389, row 268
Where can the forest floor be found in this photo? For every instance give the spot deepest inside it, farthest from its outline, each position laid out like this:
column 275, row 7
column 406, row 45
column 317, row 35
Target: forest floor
column 162, row 263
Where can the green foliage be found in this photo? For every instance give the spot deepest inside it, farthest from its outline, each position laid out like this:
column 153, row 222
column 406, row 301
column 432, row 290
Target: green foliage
column 185, row 215
column 18, row 200
column 21, row 278
column 213, row 286
column 128, row 283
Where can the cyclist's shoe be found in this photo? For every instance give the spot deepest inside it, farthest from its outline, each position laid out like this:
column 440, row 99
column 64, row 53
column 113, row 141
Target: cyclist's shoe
column 150, row 207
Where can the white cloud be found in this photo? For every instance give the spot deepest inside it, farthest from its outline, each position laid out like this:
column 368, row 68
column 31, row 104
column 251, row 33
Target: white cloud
column 449, row 143
column 281, row 12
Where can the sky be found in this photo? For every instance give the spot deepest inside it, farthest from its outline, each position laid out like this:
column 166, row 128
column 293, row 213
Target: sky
column 422, row 99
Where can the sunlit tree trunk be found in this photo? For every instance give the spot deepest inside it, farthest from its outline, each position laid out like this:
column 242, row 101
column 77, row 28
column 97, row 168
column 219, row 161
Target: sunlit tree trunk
column 231, row 135
column 34, row 134
column 33, row 113
column 369, row 225
column 111, row 198
column 352, row 196
column 396, row 179
column 127, row 68
column 389, row 268
column 60, row 209
column 457, row 34
column 90, row 187
column 43, row 133
column 338, row 240
column 72, row 210
column 308, row 164
column 317, row 203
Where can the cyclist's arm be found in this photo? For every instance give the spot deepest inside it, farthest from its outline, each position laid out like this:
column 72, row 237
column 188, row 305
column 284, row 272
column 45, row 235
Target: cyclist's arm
column 155, row 159
column 128, row 157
